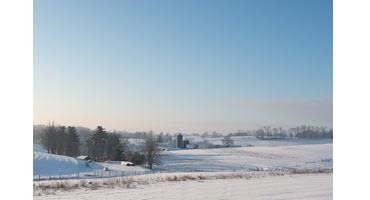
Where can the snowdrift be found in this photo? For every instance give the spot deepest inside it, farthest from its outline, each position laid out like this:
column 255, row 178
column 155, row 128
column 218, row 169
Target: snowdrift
column 45, row 164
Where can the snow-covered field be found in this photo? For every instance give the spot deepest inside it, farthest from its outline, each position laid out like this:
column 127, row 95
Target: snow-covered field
column 304, row 186
column 317, row 156
column 223, row 162
column 286, row 157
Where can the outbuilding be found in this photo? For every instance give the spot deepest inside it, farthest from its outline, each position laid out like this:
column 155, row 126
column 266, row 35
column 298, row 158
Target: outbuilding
column 82, row 157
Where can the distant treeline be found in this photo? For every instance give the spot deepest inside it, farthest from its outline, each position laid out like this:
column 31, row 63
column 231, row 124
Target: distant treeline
column 300, row 132
column 268, row 133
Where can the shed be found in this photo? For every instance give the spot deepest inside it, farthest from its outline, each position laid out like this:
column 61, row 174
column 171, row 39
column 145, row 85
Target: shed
column 82, row 157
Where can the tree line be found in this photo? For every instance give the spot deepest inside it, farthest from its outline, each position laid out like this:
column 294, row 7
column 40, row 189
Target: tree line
column 60, row 140
column 103, row 145
column 300, row 132
column 100, row 144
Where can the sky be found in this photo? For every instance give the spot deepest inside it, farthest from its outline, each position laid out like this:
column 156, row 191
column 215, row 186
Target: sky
column 183, row 66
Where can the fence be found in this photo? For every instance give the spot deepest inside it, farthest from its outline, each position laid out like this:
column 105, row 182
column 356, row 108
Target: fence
column 91, row 175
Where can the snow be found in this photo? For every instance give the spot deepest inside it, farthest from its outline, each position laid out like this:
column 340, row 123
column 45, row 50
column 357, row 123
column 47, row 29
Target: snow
column 45, row 164
column 311, row 157
column 117, row 169
column 318, row 156
column 257, row 160
column 307, row 186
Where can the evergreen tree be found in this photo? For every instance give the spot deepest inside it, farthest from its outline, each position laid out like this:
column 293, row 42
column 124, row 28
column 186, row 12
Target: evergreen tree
column 99, row 144
column 72, row 142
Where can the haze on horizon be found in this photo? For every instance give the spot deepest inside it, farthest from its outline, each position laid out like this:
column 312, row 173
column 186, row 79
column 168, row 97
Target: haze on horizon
column 178, row 66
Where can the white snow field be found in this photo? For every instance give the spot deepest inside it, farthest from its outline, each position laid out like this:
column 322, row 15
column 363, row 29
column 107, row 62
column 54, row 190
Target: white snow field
column 297, row 186
column 266, row 158
column 256, row 160
column 308, row 157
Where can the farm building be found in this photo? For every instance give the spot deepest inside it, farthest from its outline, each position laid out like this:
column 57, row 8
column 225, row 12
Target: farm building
column 82, row 157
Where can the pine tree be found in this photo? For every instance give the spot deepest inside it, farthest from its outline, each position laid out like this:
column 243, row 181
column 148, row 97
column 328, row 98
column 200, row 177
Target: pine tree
column 99, row 144
column 72, row 142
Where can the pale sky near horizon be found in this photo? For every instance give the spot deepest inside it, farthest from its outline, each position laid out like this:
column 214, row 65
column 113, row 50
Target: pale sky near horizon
column 183, row 66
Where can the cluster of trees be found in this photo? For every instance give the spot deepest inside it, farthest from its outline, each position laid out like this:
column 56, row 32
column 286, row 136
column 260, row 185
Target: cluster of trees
column 60, row 140
column 269, row 133
column 213, row 134
column 300, row 132
column 103, row 145
column 312, row 132
column 100, row 144
column 242, row 133
column 161, row 137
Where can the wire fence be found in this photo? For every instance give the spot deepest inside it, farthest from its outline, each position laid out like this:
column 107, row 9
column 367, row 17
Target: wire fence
column 102, row 175
column 91, row 175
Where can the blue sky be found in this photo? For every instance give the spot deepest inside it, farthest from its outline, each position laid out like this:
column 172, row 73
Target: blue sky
column 172, row 65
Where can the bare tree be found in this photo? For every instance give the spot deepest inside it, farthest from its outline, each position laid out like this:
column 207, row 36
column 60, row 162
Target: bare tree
column 151, row 151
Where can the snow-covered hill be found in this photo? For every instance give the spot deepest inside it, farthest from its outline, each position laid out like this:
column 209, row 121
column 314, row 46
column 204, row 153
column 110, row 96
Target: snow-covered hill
column 45, row 164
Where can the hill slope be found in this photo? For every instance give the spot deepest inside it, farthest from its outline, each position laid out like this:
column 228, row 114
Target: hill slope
column 45, row 164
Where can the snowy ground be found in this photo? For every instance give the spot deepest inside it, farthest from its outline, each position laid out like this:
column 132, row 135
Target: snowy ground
column 45, row 165
column 304, row 186
column 288, row 157
column 227, row 163
column 51, row 166
column 317, row 156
